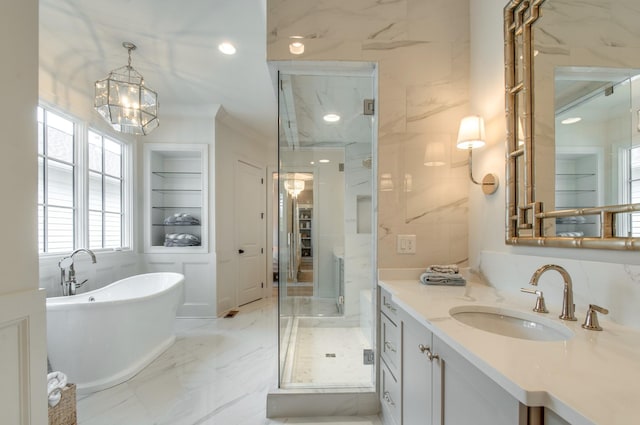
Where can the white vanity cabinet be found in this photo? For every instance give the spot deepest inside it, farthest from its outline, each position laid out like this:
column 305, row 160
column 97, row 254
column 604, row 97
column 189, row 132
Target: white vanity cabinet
column 390, row 365
column 462, row 394
column 437, row 384
column 417, row 406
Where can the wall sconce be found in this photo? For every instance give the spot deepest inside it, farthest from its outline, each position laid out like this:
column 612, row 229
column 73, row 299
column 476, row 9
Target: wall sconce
column 471, row 136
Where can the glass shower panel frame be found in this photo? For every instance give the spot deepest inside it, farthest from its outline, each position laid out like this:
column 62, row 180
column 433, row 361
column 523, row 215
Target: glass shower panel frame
column 322, row 335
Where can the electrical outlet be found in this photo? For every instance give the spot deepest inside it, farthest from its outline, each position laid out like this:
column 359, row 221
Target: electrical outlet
column 406, row 244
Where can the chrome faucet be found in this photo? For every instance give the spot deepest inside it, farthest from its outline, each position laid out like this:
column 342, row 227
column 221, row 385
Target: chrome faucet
column 69, row 282
column 568, row 307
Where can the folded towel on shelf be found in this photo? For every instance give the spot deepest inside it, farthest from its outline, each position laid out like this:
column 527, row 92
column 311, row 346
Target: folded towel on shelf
column 181, row 219
column 56, row 381
column 443, row 268
column 571, row 234
column 447, row 279
column 181, row 239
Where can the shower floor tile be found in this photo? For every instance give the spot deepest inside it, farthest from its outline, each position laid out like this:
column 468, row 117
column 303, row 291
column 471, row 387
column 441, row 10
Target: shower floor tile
column 330, row 356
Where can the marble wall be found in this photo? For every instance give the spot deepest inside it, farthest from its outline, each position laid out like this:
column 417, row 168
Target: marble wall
column 422, row 52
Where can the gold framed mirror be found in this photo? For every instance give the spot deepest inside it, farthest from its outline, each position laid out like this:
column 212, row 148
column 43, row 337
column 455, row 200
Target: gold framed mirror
column 572, row 187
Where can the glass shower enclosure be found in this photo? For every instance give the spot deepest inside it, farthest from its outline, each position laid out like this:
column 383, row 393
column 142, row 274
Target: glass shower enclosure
column 326, row 225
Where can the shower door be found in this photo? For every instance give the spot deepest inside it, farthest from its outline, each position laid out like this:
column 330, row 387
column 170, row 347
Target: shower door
column 326, row 238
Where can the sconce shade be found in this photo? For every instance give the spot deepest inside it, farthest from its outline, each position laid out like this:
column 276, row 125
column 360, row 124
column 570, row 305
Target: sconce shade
column 434, row 154
column 125, row 102
column 471, row 133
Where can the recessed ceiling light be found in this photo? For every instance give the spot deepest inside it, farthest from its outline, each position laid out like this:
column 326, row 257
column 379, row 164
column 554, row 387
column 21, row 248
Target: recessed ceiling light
column 312, row 163
column 331, row 117
column 324, row 161
column 227, row 48
column 571, row 120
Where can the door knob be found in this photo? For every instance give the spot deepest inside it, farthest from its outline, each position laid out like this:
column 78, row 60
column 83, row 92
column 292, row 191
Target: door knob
column 241, row 251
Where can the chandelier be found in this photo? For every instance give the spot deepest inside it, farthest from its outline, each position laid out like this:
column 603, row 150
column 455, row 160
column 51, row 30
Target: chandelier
column 124, row 102
column 294, row 187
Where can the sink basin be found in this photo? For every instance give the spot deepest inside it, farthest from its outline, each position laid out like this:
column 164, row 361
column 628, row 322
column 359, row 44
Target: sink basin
column 511, row 323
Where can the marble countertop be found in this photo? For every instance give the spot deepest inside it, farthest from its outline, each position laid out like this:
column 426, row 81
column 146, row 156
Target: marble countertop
column 592, row 378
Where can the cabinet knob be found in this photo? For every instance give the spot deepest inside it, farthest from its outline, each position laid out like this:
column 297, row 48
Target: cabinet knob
column 390, row 346
column 389, row 306
column 427, row 351
column 388, row 399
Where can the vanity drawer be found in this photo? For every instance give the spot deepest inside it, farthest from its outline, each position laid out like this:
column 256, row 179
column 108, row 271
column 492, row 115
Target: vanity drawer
column 390, row 344
column 389, row 397
column 388, row 307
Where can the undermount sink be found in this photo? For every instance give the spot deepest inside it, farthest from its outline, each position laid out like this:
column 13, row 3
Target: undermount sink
column 511, row 323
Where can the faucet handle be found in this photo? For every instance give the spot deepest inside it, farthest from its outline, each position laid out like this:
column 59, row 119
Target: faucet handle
column 540, row 305
column 591, row 321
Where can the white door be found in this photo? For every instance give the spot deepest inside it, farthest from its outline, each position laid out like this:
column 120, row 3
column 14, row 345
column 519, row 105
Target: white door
column 250, row 232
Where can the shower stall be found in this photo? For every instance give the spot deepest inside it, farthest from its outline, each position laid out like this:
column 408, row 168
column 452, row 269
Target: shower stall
column 326, row 226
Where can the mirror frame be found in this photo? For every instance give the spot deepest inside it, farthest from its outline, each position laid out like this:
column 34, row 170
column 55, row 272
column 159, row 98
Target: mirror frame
column 525, row 219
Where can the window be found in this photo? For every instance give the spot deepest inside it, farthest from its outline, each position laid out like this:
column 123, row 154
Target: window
column 81, row 187
column 106, row 184
column 56, row 183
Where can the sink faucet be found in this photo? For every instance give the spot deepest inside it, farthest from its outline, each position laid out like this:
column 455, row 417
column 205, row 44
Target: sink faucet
column 568, row 307
column 69, row 283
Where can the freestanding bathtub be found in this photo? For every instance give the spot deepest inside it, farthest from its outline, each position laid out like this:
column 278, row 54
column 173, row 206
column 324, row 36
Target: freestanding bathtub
column 104, row 337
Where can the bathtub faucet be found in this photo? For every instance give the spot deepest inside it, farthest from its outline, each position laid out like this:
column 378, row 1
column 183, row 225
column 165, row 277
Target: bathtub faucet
column 69, row 282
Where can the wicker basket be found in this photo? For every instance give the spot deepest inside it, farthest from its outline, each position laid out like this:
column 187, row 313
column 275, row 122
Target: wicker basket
column 64, row 413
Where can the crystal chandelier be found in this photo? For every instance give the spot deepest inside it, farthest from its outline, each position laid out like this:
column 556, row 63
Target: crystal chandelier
column 124, row 102
column 294, row 187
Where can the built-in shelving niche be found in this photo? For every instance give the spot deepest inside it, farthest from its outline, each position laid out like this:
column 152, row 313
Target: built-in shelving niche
column 176, row 197
column 577, row 186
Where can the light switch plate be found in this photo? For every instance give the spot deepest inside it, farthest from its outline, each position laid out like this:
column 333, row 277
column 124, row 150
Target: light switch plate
column 406, row 244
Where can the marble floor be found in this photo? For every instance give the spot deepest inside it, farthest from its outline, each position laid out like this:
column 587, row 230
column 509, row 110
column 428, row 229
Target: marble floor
column 218, row 372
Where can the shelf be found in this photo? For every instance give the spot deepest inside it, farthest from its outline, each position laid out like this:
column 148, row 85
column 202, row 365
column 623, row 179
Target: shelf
column 566, row 207
column 177, row 174
column 175, row 208
column 570, row 191
column 176, row 190
column 575, row 175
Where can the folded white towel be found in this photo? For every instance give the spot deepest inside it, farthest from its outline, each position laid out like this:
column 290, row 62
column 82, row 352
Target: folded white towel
column 56, row 381
column 443, row 268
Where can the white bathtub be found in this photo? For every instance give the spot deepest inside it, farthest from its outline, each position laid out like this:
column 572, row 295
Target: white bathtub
column 104, row 337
